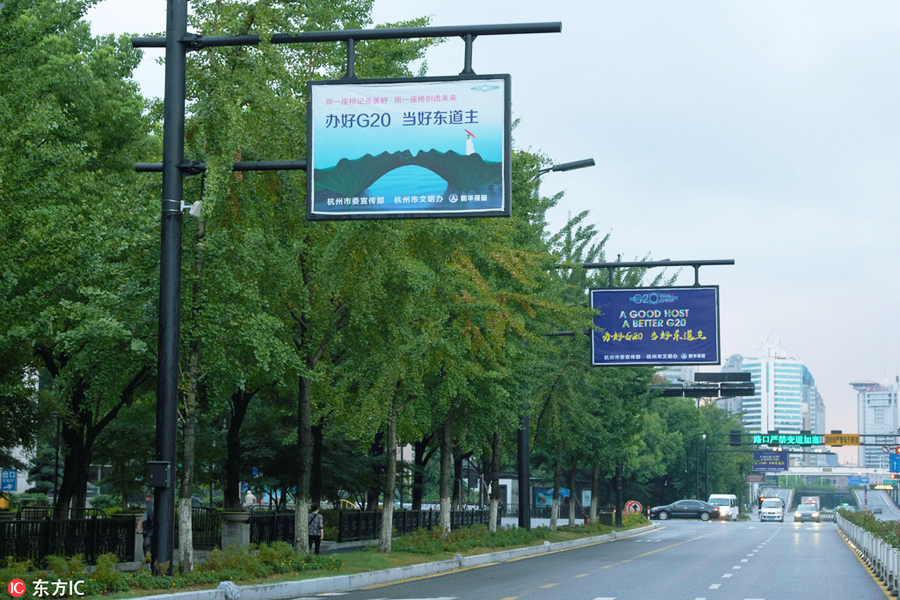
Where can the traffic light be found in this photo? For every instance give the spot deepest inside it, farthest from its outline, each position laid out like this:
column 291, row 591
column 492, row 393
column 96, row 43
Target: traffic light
column 734, row 439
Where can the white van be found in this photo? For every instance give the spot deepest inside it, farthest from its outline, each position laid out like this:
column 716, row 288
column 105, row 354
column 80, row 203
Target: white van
column 728, row 506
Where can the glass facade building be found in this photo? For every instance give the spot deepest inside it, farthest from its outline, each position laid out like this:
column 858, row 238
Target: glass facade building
column 877, row 413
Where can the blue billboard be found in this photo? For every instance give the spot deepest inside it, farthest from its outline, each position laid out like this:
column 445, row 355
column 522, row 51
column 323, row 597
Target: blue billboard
column 770, row 461
column 655, row 326
column 409, row 148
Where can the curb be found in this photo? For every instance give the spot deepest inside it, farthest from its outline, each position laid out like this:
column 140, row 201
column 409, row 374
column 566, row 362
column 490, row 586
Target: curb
column 228, row 590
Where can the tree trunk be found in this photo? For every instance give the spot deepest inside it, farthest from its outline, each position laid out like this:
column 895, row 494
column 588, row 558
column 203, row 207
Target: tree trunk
column 595, row 493
column 374, row 492
column 240, row 401
column 457, row 481
column 421, row 456
column 304, row 436
column 446, row 474
column 189, row 413
column 390, row 475
column 495, row 481
column 572, row 497
column 186, row 490
column 557, row 475
column 315, row 491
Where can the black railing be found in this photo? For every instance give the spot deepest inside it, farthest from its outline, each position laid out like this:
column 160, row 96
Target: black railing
column 356, row 525
column 36, row 539
column 267, row 527
column 206, row 528
column 44, row 512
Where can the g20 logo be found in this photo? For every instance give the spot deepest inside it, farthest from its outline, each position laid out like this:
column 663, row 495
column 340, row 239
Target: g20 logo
column 16, row 588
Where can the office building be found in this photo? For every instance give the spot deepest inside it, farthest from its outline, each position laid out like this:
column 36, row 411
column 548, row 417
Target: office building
column 777, row 404
column 876, row 407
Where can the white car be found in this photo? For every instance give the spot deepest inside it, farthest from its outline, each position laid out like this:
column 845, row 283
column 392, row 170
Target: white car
column 772, row 509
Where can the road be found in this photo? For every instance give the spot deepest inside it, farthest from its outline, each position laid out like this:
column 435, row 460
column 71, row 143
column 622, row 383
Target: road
column 879, row 503
column 681, row 559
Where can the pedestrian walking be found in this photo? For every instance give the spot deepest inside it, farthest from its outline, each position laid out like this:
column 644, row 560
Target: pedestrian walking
column 316, row 528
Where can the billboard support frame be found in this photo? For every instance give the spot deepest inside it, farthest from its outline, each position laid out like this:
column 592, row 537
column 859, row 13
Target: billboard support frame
column 177, row 42
column 612, row 266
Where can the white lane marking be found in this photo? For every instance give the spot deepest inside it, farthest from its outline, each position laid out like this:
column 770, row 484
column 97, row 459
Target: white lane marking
column 736, row 567
column 606, row 598
column 715, row 586
column 726, row 575
column 745, row 560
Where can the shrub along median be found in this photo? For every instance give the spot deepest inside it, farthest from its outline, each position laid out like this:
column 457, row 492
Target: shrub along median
column 270, row 563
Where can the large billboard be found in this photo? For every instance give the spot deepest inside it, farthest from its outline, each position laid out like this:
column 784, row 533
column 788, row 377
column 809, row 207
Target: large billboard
column 409, row 148
column 770, row 461
column 655, row 326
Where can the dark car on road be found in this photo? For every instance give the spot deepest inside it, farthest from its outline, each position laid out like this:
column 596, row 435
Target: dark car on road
column 806, row 512
column 685, row 509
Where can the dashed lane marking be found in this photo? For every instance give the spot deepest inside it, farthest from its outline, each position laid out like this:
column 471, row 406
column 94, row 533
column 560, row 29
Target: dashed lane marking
column 581, row 575
column 549, row 585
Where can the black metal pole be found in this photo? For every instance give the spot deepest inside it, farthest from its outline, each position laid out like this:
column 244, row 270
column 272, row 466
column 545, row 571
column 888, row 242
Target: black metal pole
column 524, row 474
column 170, row 280
column 706, row 487
column 620, row 496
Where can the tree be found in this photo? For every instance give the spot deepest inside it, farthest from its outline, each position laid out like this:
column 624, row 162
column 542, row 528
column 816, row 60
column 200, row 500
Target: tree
column 74, row 223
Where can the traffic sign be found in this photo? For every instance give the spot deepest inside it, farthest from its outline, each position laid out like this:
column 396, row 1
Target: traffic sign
column 895, row 463
column 857, row 481
column 7, row 480
column 842, row 439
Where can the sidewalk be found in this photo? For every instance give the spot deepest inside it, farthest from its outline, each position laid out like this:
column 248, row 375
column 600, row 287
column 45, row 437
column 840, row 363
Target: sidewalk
column 228, row 590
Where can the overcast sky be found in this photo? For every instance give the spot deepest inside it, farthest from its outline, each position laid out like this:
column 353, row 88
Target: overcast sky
column 760, row 131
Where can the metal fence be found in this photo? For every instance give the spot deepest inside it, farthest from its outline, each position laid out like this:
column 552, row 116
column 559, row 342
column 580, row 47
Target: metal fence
column 268, row 527
column 356, row 525
column 36, row 539
column 45, row 512
column 880, row 555
column 206, row 528
column 605, row 514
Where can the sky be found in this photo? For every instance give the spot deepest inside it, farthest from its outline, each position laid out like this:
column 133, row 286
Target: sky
column 764, row 132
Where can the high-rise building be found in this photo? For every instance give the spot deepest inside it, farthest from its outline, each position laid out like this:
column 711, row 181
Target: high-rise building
column 778, row 380
column 876, row 407
column 812, row 405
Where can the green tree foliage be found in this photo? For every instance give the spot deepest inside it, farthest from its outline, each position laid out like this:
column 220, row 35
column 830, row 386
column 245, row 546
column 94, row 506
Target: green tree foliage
column 77, row 293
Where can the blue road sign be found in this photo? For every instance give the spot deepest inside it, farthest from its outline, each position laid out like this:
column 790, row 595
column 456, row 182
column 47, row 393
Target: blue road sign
column 895, row 463
column 857, row 481
column 7, row 480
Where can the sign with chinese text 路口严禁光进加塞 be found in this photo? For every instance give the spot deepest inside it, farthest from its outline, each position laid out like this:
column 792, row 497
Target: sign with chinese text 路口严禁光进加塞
column 655, row 326
column 409, row 148
column 770, row 461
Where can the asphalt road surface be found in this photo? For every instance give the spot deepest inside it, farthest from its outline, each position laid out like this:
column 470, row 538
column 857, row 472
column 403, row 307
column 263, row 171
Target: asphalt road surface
column 682, row 559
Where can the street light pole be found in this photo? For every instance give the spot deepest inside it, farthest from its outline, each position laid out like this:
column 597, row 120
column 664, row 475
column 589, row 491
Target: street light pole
column 524, row 429
column 706, row 487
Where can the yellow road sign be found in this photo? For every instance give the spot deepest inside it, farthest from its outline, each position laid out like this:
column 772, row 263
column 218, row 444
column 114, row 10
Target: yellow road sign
column 842, row 439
